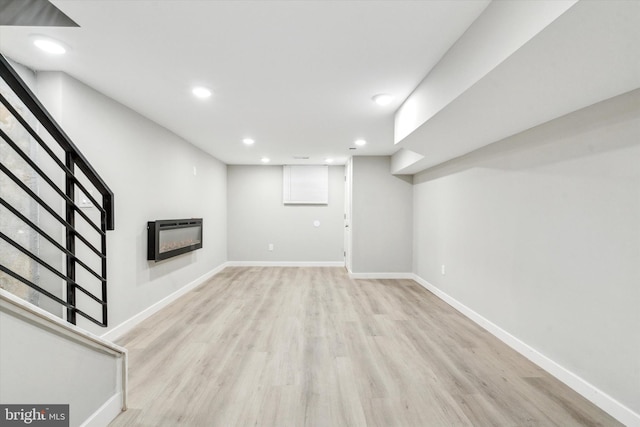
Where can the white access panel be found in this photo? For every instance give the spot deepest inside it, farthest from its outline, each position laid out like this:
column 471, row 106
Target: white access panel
column 308, row 185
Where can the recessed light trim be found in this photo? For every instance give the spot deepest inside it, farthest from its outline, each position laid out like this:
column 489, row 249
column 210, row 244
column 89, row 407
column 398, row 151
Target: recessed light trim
column 265, row 160
column 248, row 141
column 328, row 160
column 382, row 99
column 201, row 92
column 49, row 45
column 360, row 142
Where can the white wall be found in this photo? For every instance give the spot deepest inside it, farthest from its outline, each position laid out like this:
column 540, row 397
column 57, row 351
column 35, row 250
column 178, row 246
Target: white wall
column 151, row 172
column 381, row 212
column 540, row 234
column 258, row 217
column 41, row 366
column 26, row 74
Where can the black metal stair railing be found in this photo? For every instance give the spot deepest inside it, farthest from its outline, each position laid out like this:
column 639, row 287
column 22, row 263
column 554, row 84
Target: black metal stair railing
column 83, row 236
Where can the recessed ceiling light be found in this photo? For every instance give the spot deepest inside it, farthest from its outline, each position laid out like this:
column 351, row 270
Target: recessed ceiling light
column 328, row 160
column 201, row 92
column 383, row 99
column 265, row 160
column 360, row 142
column 49, row 45
column 248, row 141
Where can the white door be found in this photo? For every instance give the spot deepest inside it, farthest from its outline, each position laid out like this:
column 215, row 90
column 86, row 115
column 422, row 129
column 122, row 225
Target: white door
column 348, row 182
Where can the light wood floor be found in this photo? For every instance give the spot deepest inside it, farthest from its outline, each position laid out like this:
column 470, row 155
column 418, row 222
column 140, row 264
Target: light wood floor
column 311, row 347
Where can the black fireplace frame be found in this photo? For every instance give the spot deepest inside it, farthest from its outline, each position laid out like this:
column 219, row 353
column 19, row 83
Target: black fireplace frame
column 153, row 237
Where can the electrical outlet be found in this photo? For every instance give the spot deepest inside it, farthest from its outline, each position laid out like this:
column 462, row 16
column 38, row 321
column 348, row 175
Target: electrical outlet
column 270, row 246
column 443, row 270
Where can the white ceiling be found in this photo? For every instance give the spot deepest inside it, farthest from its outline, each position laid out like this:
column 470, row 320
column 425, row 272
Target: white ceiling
column 297, row 76
column 589, row 53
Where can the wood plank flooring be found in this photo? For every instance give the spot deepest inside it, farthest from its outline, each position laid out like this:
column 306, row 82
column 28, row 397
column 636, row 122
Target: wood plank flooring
column 311, row 347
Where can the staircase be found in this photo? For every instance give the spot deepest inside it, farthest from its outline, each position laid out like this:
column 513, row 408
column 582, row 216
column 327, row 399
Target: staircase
column 55, row 211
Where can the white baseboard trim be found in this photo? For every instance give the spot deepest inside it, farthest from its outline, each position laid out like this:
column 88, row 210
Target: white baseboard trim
column 133, row 321
column 285, row 263
column 599, row 398
column 106, row 413
column 381, row 275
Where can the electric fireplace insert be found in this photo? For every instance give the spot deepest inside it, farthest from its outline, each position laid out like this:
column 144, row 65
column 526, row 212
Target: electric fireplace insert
column 170, row 237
